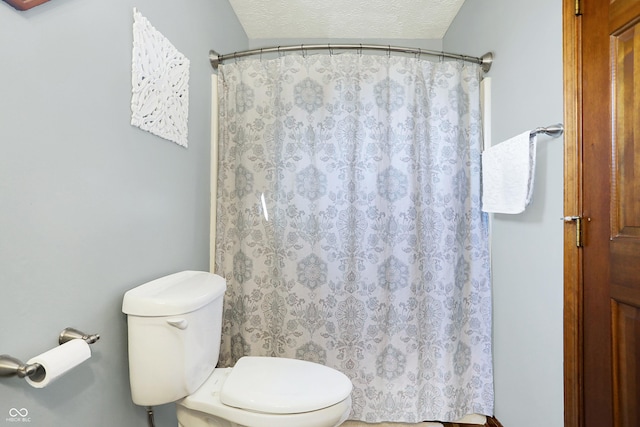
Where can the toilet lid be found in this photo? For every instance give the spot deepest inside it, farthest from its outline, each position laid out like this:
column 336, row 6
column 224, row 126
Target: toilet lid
column 283, row 386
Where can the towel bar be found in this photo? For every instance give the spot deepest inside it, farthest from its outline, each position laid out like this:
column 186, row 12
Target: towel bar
column 553, row 131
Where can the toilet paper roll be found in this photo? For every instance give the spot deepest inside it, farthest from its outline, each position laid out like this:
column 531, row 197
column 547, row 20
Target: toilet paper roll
column 57, row 361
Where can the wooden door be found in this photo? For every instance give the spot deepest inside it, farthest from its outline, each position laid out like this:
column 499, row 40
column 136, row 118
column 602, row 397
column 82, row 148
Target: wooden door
column 602, row 302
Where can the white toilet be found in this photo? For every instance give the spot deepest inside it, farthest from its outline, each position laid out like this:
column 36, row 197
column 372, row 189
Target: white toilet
column 175, row 325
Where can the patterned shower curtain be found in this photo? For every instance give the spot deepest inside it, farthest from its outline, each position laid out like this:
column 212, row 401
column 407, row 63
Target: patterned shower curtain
column 349, row 227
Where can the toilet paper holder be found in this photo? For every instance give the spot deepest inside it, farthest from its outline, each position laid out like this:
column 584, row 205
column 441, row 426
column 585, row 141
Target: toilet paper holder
column 10, row 366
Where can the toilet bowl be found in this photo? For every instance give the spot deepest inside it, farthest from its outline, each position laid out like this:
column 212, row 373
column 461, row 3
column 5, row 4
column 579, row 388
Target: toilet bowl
column 268, row 392
column 174, row 328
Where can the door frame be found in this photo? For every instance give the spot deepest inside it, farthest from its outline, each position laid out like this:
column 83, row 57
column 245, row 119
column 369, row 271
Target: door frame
column 573, row 262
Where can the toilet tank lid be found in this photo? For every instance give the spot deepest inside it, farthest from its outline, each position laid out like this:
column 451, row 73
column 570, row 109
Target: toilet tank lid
column 178, row 293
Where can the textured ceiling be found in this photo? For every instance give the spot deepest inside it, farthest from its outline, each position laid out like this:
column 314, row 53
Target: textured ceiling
column 340, row 19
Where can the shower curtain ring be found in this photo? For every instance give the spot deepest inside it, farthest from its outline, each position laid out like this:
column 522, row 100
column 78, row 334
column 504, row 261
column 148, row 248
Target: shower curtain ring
column 304, row 54
column 389, row 51
column 360, row 50
column 330, row 49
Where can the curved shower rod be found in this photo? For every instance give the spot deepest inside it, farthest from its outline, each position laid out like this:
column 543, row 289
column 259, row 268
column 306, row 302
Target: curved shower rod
column 485, row 60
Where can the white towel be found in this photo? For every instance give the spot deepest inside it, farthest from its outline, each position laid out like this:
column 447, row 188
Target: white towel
column 508, row 170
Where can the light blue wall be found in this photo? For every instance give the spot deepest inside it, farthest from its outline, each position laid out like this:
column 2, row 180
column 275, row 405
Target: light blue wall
column 526, row 38
column 89, row 205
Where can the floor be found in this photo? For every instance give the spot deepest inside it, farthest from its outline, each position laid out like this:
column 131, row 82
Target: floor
column 491, row 422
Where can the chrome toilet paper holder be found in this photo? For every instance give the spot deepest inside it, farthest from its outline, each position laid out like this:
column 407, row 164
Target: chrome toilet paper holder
column 10, row 366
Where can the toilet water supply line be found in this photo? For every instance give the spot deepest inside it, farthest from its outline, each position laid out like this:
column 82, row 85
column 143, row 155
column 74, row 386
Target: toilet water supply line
column 150, row 416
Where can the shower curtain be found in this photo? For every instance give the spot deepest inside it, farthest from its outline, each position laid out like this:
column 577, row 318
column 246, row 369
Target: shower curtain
column 349, row 227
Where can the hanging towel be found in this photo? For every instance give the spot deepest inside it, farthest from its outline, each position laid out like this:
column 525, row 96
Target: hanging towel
column 508, row 170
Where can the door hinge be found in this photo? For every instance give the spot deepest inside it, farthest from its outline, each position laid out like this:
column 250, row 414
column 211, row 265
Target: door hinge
column 578, row 7
column 578, row 221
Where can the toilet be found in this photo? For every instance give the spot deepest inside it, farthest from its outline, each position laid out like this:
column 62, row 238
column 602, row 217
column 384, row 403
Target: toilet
column 174, row 330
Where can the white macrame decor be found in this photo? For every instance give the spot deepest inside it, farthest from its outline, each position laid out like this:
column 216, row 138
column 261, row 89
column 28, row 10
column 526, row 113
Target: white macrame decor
column 160, row 83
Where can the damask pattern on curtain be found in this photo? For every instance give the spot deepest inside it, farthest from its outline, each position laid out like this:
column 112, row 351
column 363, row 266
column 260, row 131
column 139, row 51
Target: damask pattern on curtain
column 350, row 230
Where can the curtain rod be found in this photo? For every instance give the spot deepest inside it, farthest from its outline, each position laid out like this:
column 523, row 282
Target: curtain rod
column 485, row 60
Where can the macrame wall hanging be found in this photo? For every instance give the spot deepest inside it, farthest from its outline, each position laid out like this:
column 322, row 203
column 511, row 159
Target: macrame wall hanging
column 160, row 83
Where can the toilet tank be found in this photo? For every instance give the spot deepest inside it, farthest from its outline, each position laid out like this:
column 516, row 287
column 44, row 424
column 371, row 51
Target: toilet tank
column 174, row 330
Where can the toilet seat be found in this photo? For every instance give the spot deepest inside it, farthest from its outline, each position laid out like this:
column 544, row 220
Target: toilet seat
column 283, row 386
column 206, row 402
